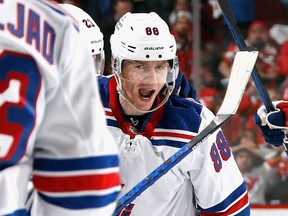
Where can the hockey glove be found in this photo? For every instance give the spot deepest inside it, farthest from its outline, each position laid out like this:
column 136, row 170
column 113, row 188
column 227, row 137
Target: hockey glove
column 183, row 88
column 273, row 125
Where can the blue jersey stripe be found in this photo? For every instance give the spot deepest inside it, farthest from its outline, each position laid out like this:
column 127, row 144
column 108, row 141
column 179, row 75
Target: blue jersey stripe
column 232, row 197
column 59, row 165
column 21, row 212
column 170, row 143
column 112, row 123
column 244, row 212
column 81, row 202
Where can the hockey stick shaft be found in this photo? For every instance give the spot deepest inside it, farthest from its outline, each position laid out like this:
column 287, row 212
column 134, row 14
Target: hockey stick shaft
column 239, row 40
column 241, row 71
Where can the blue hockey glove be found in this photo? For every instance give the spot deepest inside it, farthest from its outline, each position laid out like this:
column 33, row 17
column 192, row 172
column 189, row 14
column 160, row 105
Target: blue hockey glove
column 274, row 124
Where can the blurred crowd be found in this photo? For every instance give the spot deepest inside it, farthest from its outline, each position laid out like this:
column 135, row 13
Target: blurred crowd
column 263, row 167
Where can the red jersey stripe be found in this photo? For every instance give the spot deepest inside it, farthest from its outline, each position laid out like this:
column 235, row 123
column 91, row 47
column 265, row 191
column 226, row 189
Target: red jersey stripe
column 76, row 183
column 171, row 134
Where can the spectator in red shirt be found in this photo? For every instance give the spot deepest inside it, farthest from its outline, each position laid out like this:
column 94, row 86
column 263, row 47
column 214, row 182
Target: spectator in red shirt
column 258, row 36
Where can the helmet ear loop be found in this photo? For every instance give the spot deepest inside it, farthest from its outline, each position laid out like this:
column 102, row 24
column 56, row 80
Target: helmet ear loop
column 169, row 89
column 99, row 61
column 102, row 64
column 116, row 63
column 117, row 70
column 174, row 74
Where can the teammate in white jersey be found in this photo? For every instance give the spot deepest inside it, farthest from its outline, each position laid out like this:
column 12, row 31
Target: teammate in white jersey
column 151, row 123
column 90, row 34
column 53, row 125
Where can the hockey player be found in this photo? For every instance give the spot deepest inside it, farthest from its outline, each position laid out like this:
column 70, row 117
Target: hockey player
column 151, row 123
column 90, row 34
column 53, row 124
column 93, row 38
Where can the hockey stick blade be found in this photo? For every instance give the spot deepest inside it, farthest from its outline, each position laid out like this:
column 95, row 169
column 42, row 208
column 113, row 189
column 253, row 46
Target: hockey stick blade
column 239, row 40
column 241, row 71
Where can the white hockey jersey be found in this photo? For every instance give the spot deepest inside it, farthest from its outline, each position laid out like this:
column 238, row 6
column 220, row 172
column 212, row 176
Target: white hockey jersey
column 52, row 123
column 208, row 179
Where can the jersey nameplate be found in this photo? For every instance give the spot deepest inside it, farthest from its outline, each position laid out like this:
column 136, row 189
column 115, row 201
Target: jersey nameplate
column 36, row 32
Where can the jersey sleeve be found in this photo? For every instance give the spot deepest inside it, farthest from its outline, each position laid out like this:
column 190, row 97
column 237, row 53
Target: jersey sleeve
column 218, row 184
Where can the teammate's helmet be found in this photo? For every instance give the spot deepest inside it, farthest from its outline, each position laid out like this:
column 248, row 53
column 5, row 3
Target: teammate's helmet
column 143, row 37
column 90, row 34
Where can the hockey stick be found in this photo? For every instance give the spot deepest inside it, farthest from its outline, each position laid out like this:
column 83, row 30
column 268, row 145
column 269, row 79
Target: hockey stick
column 239, row 40
column 241, row 71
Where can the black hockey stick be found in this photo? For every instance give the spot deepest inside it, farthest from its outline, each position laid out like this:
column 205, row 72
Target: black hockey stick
column 241, row 71
column 239, row 40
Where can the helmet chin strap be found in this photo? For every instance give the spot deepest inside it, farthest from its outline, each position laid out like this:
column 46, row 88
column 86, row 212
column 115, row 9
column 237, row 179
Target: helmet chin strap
column 122, row 94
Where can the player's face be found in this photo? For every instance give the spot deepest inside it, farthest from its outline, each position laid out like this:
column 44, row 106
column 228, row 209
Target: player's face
column 141, row 82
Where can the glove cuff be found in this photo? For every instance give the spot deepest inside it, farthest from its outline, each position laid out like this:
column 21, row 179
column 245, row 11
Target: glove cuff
column 283, row 106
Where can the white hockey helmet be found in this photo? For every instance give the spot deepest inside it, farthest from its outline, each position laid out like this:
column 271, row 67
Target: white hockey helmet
column 143, row 37
column 90, row 34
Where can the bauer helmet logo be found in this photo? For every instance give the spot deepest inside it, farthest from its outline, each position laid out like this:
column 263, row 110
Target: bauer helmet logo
column 154, row 48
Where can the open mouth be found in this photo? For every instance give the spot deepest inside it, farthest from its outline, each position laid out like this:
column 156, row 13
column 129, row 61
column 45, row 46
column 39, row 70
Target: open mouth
column 146, row 94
